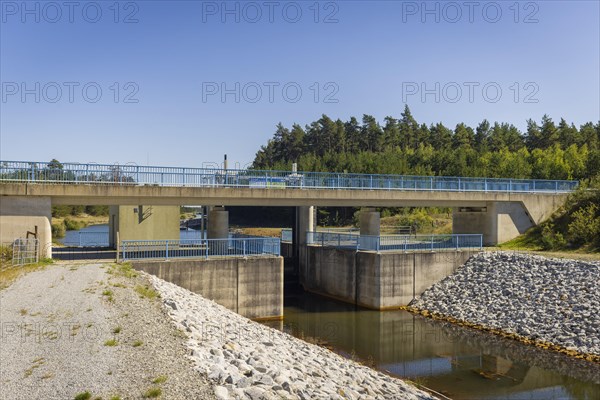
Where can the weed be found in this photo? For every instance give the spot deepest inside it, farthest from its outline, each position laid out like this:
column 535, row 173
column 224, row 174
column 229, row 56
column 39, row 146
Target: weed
column 48, row 375
column 137, row 343
column 115, row 398
column 83, row 396
column 160, row 379
column 117, row 330
column 35, row 364
column 111, row 342
column 152, row 393
column 23, row 311
column 124, row 270
column 146, row 291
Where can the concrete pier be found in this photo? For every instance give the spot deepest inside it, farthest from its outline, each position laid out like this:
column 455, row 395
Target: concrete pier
column 218, row 223
column 379, row 281
column 370, row 222
column 252, row 287
column 143, row 222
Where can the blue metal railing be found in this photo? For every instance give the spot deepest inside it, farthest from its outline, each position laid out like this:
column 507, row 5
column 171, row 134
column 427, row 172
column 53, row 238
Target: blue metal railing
column 199, row 248
column 129, row 174
column 396, row 242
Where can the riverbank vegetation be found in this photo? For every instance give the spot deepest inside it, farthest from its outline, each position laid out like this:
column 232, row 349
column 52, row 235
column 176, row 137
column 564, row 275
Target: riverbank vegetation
column 72, row 218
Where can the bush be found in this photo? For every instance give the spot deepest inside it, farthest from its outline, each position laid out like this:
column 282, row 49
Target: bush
column 58, row 231
column 585, row 226
column 72, row 225
column 551, row 239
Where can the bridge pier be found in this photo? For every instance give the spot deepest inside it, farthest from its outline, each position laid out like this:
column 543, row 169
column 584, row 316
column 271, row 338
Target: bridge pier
column 22, row 214
column 305, row 221
column 370, row 222
column 143, row 222
column 218, row 223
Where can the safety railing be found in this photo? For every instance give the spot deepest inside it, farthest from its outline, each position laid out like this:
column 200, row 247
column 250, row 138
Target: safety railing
column 396, row 242
column 129, row 174
column 89, row 239
column 200, row 248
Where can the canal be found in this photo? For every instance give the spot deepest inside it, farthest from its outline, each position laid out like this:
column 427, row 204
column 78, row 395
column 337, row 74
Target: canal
column 458, row 362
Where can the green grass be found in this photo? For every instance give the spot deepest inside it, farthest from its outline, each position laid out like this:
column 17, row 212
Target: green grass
column 107, row 293
column 83, row 396
column 125, row 270
column 111, row 343
column 117, row 330
column 137, row 343
column 146, row 291
column 115, row 398
column 152, row 393
column 160, row 379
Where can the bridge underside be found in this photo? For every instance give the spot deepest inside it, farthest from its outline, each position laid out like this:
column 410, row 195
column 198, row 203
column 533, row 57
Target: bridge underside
column 499, row 216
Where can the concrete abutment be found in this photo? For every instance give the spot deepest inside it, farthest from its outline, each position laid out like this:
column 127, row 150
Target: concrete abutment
column 22, row 216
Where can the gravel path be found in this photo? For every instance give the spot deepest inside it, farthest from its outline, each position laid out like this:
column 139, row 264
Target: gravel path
column 552, row 303
column 247, row 360
column 55, row 325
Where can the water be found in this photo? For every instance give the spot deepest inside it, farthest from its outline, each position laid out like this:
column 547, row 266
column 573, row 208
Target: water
column 458, row 362
column 97, row 236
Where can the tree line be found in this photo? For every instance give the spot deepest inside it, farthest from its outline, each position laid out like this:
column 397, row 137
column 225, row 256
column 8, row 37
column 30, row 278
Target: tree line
column 546, row 150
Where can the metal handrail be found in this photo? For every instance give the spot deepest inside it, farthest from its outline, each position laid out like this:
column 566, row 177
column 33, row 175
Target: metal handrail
column 395, row 242
column 74, row 173
column 199, row 248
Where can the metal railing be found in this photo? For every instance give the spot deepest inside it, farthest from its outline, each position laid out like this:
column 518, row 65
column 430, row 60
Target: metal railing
column 287, row 235
column 199, row 248
column 89, row 239
column 396, row 242
column 25, row 251
column 129, row 174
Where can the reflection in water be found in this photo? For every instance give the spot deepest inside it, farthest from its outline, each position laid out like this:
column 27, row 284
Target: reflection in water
column 459, row 362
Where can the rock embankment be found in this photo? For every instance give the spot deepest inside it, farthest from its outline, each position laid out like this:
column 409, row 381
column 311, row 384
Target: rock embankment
column 552, row 303
column 247, row 360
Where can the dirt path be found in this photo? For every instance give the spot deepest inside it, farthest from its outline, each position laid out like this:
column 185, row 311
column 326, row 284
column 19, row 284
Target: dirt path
column 91, row 328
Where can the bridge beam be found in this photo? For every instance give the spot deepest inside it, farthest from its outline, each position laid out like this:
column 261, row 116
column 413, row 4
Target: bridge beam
column 21, row 214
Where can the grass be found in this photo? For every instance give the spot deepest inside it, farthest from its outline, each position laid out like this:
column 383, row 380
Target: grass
column 10, row 273
column 124, row 269
column 83, row 396
column 115, row 398
column 146, row 291
column 137, row 343
column 108, row 294
column 23, row 311
column 35, row 364
column 159, row 380
column 117, row 330
column 111, row 343
column 152, row 393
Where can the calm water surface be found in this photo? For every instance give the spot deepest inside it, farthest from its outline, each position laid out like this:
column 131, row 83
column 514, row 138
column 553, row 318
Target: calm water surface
column 97, row 235
column 458, row 362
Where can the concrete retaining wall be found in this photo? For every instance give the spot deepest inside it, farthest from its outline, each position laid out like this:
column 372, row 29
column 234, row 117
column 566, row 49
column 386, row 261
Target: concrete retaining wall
column 252, row 287
column 379, row 281
column 21, row 214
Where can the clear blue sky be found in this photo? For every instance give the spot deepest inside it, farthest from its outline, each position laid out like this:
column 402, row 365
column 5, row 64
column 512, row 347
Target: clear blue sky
column 372, row 56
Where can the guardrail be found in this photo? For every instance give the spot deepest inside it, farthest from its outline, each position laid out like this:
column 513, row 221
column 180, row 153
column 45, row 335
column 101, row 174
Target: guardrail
column 396, row 242
column 199, row 248
column 129, row 174
column 89, row 239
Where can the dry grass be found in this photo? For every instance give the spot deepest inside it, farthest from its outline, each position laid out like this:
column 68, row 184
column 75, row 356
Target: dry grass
column 272, row 232
column 10, row 273
column 84, row 219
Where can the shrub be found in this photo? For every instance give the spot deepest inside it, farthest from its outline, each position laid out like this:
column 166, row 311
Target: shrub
column 551, row 239
column 585, row 226
column 58, row 231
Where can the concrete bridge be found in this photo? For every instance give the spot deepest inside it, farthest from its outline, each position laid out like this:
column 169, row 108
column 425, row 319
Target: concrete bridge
column 500, row 209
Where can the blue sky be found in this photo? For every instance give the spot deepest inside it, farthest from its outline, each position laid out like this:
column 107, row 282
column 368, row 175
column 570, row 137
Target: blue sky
column 170, row 61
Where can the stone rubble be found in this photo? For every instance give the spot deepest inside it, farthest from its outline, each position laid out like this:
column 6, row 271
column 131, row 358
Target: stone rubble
column 247, row 360
column 541, row 300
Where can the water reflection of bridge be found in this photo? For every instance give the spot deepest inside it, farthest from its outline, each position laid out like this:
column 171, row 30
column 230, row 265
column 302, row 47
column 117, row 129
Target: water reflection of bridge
column 453, row 360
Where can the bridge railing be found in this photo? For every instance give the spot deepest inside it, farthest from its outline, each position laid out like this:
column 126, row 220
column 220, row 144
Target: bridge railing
column 199, row 248
column 130, row 174
column 396, row 242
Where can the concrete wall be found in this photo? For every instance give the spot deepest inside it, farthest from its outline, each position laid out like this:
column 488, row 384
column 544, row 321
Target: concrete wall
column 20, row 214
column 379, row 281
column 252, row 287
column 502, row 221
column 143, row 223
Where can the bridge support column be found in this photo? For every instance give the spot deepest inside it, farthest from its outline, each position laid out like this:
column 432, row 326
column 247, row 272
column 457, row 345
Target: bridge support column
column 20, row 215
column 370, row 222
column 305, row 221
column 218, row 223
